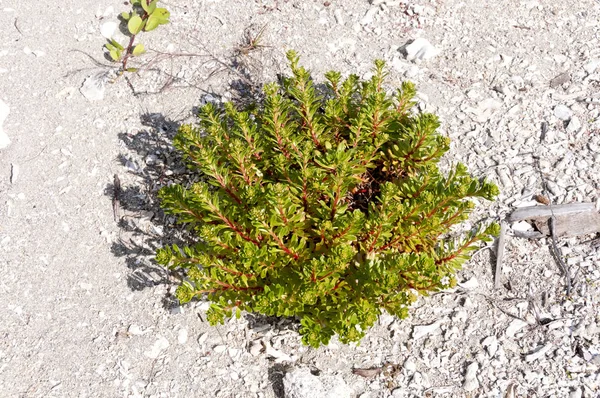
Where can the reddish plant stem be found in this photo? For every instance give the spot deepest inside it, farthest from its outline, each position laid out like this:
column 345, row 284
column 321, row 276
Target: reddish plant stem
column 131, row 40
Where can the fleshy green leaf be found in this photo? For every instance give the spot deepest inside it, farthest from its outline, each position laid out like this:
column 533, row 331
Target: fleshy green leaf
column 135, row 24
column 125, row 15
column 115, row 54
column 138, row 50
column 160, row 16
column 151, row 7
column 116, row 44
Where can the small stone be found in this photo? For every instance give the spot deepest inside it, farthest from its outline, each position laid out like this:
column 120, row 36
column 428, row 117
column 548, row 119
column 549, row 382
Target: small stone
column 539, row 353
column 338, row 16
column 301, row 383
column 93, row 87
column 591, row 66
column 471, row 382
column 220, row 349
column 491, row 344
column 368, row 18
column 560, row 80
column 421, row 49
column 470, row 284
column 108, row 29
column 160, row 345
column 514, row 327
column 234, row 352
column 563, row 112
column 574, row 125
column 576, row 393
column 521, row 226
column 135, row 330
column 202, row 338
column 279, row 356
column 151, row 159
column 182, row 336
column 424, row 330
column 410, row 366
column 132, row 166
column 400, row 393
column 416, row 381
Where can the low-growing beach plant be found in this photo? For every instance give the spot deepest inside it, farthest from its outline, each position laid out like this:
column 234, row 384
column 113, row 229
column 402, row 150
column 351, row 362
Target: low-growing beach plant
column 144, row 16
column 322, row 204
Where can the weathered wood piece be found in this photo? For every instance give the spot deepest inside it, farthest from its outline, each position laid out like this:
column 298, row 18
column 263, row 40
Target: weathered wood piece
column 569, row 220
column 529, row 212
column 571, row 224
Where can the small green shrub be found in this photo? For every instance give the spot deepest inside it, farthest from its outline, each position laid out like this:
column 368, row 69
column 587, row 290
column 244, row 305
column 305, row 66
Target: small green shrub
column 144, row 16
column 328, row 207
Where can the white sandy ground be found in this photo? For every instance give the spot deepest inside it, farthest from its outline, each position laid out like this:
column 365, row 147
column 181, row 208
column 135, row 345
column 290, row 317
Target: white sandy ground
column 84, row 311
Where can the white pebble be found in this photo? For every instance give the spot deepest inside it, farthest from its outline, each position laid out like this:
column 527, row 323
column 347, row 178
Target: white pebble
column 563, row 112
column 591, row 66
column 93, row 88
column 135, row 330
column 108, row 29
column 160, row 345
column 491, row 344
column 471, row 382
column 470, row 284
column 424, row 330
column 421, row 49
column 514, row 327
column 202, row 338
column 539, row 353
column 256, row 348
column 410, row 365
column 182, row 336
column 574, row 125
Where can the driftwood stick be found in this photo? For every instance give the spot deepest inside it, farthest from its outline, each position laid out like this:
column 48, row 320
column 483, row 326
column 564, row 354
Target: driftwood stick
column 525, row 213
column 500, row 254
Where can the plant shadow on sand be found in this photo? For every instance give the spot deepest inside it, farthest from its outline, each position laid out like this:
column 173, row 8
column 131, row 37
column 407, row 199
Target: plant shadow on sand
column 143, row 225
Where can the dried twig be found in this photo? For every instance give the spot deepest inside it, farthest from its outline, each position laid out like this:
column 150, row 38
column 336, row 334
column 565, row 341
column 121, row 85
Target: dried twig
column 115, row 198
column 556, row 253
column 500, row 254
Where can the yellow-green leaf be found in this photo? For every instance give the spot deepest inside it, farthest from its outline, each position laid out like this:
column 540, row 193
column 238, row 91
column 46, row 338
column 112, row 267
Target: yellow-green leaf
column 152, row 23
column 125, row 15
column 135, row 24
column 115, row 55
column 152, row 7
column 163, row 14
column 116, row 44
column 159, row 17
column 138, row 50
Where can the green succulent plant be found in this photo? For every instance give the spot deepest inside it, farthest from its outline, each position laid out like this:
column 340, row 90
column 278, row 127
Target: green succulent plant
column 325, row 205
